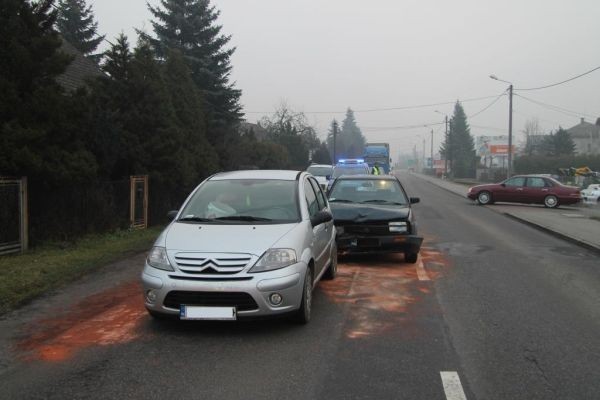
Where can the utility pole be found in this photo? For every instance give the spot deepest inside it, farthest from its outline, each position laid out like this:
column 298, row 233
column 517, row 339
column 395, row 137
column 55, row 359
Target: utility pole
column 423, row 167
column 447, row 152
column 432, row 152
column 510, row 118
column 335, row 128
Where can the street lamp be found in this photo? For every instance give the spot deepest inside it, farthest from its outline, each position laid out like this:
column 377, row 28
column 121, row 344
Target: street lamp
column 510, row 118
column 446, row 141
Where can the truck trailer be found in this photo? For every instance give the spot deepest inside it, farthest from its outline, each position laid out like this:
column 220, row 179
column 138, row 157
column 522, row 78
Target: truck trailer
column 378, row 153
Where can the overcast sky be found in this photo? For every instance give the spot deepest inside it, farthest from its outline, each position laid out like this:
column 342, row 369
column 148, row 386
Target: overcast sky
column 326, row 55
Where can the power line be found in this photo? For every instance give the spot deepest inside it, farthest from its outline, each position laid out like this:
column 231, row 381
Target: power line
column 558, row 109
column 536, row 117
column 403, row 127
column 560, row 83
column 489, row 105
column 410, row 107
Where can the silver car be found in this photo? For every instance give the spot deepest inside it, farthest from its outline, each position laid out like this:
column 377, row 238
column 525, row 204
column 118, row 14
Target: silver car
column 244, row 244
column 322, row 173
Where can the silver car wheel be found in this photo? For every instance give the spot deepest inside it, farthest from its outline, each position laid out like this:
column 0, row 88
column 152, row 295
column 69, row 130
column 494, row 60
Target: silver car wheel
column 333, row 265
column 303, row 314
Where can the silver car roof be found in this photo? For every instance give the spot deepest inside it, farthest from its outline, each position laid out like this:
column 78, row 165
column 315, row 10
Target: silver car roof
column 284, row 175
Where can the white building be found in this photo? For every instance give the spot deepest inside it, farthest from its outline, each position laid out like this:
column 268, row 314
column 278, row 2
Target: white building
column 586, row 137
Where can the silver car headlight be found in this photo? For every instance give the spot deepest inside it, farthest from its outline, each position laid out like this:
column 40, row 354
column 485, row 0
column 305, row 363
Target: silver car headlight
column 398, row 227
column 157, row 258
column 274, row 259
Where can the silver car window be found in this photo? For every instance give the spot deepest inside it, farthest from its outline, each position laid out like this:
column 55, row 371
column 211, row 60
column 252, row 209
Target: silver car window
column 320, row 196
column 311, row 199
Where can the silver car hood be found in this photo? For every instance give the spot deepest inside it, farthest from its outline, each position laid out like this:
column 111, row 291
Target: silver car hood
column 250, row 239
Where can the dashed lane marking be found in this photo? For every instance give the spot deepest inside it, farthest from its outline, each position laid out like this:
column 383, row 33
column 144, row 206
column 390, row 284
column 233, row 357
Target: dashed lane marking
column 452, row 386
column 421, row 272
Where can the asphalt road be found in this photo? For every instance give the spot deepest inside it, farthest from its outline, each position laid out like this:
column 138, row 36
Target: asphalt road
column 510, row 312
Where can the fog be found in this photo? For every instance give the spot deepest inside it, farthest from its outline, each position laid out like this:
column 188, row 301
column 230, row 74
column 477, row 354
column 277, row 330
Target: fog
column 322, row 57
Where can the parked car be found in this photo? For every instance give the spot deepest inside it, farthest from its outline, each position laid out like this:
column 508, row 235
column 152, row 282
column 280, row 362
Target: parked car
column 322, row 173
column 355, row 166
column 591, row 194
column 244, row 244
column 372, row 214
column 530, row 189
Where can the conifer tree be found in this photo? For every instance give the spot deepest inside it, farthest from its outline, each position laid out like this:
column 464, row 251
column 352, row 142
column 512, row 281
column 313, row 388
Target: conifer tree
column 563, row 143
column 352, row 139
column 461, row 145
column 191, row 27
column 39, row 135
column 198, row 155
column 76, row 24
column 558, row 144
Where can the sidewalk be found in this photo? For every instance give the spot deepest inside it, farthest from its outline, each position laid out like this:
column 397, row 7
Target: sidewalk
column 573, row 223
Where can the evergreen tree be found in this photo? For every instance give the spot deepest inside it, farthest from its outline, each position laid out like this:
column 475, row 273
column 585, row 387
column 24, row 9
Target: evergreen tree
column 563, row 143
column 39, row 124
column 190, row 26
column 149, row 118
column 76, row 24
column 198, row 154
column 461, row 145
column 558, row 144
column 352, row 137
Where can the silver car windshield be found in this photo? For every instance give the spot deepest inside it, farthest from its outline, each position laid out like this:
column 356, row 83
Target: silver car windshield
column 244, row 201
column 384, row 191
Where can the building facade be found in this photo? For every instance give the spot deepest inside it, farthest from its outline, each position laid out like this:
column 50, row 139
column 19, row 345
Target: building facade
column 586, row 137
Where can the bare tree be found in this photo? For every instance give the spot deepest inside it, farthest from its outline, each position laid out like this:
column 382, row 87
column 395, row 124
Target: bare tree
column 532, row 133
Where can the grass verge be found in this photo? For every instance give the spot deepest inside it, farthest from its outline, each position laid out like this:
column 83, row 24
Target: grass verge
column 26, row 276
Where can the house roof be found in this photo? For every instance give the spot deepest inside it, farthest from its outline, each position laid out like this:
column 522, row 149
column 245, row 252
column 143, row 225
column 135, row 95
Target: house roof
column 80, row 69
column 585, row 130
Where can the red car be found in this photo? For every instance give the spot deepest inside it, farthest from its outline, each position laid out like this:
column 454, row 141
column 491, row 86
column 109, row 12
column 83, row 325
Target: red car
column 526, row 189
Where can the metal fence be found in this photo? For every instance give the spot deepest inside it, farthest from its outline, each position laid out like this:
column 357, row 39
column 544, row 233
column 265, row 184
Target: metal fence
column 13, row 215
column 64, row 213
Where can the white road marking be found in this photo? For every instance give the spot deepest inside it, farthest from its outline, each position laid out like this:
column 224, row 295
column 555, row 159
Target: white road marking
column 452, row 386
column 421, row 272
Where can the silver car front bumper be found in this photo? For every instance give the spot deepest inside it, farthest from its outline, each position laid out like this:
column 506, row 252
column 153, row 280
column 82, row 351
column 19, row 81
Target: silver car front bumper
column 288, row 282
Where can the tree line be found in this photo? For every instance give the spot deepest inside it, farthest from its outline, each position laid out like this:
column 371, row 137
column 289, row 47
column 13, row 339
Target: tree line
column 164, row 106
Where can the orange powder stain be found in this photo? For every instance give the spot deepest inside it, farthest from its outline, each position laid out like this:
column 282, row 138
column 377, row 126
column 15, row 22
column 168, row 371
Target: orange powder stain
column 380, row 294
column 107, row 318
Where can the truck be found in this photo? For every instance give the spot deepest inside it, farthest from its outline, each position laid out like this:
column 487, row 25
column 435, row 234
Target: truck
column 378, row 153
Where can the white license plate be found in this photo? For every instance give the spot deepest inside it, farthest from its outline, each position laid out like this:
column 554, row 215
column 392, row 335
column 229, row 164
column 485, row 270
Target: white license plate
column 208, row 313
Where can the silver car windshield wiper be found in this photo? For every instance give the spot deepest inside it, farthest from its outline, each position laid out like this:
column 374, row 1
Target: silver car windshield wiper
column 334, row 200
column 242, row 218
column 195, row 219
column 384, row 202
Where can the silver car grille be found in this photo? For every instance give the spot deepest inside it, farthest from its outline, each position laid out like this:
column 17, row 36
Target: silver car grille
column 211, row 264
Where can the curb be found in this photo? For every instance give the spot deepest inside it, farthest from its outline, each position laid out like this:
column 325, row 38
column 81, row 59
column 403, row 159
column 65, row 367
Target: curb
column 579, row 242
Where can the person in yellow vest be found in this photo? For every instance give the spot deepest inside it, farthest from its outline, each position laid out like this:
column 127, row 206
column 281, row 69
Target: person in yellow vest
column 376, row 169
